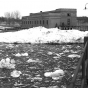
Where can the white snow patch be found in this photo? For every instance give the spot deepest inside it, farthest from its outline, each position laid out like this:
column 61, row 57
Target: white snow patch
column 66, row 51
column 35, row 61
column 7, row 63
column 21, row 54
column 50, row 53
column 47, row 74
column 74, row 51
column 58, row 74
column 74, row 55
column 57, row 55
column 15, row 73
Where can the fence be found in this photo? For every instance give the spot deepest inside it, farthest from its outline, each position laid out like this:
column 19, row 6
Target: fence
column 81, row 28
column 84, row 62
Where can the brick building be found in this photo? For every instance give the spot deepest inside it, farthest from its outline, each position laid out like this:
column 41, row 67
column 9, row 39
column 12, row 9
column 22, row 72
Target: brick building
column 50, row 19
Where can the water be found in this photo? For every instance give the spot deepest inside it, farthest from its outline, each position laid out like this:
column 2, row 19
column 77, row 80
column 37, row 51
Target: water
column 45, row 57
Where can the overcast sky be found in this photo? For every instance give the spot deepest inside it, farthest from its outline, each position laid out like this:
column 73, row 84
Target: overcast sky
column 32, row 6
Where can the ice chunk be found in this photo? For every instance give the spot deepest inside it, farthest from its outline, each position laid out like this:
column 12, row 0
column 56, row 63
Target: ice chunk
column 58, row 74
column 66, row 51
column 74, row 55
column 6, row 63
column 16, row 73
column 12, row 61
column 47, row 74
column 31, row 60
column 50, row 53
column 24, row 54
column 21, row 54
column 8, row 60
column 18, row 54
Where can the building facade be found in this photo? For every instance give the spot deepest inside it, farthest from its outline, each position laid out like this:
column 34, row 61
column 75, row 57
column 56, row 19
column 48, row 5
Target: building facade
column 50, row 19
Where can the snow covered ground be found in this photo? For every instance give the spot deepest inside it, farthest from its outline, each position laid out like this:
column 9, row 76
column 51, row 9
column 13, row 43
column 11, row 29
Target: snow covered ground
column 44, row 35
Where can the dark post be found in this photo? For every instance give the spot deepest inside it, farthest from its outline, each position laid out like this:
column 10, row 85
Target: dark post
column 86, row 40
column 87, row 68
column 83, row 66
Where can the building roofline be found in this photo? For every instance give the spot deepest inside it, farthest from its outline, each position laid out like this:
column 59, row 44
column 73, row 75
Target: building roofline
column 54, row 11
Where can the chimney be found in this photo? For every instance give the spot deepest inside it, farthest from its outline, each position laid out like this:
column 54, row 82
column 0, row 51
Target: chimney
column 30, row 14
column 40, row 11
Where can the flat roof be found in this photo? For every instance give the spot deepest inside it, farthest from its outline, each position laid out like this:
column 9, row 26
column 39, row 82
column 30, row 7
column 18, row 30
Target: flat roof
column 54, row 11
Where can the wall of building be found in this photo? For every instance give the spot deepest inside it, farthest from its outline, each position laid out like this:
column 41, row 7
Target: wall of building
column 35, row 21
column 51, row 19
column 54, row 20
column 68, row 17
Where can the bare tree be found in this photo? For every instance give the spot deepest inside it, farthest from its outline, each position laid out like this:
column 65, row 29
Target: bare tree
column 12, row 17
column 8, row 17
column 17, row 15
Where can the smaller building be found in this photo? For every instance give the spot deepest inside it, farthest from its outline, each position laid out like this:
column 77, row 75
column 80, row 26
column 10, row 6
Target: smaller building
column 64, row 18
column 82, row 23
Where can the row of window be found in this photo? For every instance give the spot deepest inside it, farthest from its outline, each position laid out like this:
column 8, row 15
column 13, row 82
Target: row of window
column 35, row 22
column 68, row 21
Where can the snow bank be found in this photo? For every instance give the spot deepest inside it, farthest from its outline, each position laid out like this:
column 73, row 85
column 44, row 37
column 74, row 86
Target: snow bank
column 43, row 35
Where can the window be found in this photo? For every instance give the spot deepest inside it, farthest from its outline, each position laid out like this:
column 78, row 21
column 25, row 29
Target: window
column 35, row 22
column 47, row 22
column 43, row 21
column 30, row 22
column 24, row 22
column 40, row 21
column 68, row 21
column 68, row 14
